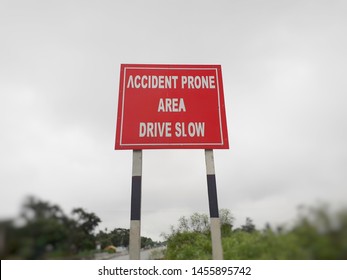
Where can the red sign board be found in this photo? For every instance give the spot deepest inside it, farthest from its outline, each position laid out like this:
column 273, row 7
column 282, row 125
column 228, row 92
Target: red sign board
column 171, row 107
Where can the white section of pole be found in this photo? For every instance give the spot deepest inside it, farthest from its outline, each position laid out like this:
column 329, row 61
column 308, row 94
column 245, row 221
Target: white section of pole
column 137, row 163
column 209, row 159
column 216, row 238
column 135, row 240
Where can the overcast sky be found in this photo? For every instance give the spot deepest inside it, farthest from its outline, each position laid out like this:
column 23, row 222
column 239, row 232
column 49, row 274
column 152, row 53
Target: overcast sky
column 284, row 71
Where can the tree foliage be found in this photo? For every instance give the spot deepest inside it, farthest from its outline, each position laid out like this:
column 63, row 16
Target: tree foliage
column 47, row 232
column 119, row 237
column 316, row 234
column 191, row 238
column 248, row 226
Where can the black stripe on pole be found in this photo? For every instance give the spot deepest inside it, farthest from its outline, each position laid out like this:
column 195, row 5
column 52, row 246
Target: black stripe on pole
column 135, row 198
column 212, row 196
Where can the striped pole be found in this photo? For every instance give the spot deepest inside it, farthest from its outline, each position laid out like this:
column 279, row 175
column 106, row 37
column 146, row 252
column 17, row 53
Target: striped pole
column 217, row 250
column 135, row 215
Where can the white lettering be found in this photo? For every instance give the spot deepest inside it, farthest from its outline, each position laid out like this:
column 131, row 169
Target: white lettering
column 137, row 81
column 212, row 82
column 174, row 78
column 150, row 127
column 161, row 81
column 152, row 81
column 180, row 131
column 174, row 104
column 168, row 129
column 130, row 82
column 142, row 129
column 155, row 129
column 204, row 81
column 200, row 129
column 168, row 104
column 197, row 82
column 190, row 82
column 161, row 107
column 184, row 81
column 171, row 105
column 182, row 107
column 193, row 129
column 143, row 83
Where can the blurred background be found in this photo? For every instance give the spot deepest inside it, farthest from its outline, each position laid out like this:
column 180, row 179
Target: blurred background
column 283, row 66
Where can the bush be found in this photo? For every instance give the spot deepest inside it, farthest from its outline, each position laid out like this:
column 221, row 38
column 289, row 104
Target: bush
column 316, row 235
column 188, row 246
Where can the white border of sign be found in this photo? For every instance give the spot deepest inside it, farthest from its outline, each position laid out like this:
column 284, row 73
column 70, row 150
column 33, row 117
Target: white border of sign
column 170, row 144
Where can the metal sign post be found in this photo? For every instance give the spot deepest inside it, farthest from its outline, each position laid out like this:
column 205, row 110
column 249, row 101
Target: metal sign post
column 171, row 106
column 217, row 250
column 135, row 216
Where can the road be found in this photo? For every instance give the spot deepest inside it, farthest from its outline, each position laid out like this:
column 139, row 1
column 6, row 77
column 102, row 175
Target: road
column 149, row 254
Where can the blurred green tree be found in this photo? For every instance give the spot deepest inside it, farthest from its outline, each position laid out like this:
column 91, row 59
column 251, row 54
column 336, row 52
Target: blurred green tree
column 46, row 232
